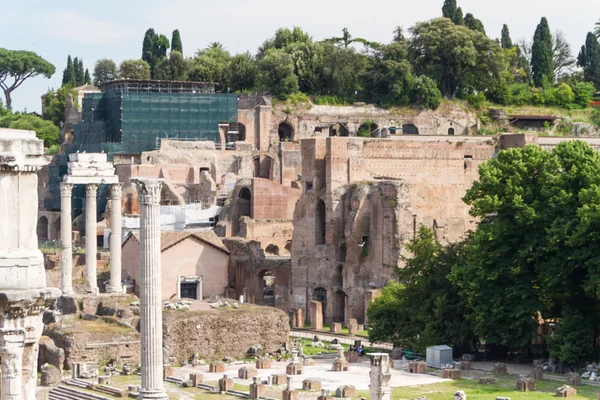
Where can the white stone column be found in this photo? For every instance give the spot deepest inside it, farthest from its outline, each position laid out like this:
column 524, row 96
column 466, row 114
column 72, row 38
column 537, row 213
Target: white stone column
column 150, row 289
column 12, row 342
column 66, row 239
column 91, row 239
column 380, row 376
column 115, row 239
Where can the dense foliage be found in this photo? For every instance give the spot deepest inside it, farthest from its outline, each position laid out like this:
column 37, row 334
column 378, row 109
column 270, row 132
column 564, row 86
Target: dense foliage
column 45, row 129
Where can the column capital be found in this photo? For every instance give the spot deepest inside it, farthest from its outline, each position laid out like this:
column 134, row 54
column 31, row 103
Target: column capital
column 66, row 189
column 91, row 189
column 116, row 190
column 148, row 189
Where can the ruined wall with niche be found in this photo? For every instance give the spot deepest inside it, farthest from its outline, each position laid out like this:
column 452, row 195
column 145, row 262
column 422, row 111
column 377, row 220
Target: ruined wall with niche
column 373, row 194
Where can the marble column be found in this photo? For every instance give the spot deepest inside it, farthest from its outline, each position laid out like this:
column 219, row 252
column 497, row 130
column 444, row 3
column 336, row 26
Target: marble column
column 115, row 239
column 12, row 342
column 66, row 239
column 380, row 376
column 150, row 289
column 91, row 249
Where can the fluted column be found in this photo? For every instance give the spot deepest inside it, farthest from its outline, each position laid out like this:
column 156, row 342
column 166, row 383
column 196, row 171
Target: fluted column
column 66, row 239
column 150, row 289
column 115, row 239
column 12, row 342
column 91, row 238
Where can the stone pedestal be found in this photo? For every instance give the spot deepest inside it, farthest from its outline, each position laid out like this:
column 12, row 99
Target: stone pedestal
column 216, row 366
column 566, row 391
column 380, row 377
column 316, row 315
column 263, row 363
column 66, row 239
column 417, row 367
column 299, row 318
column 336, row 327
column 22, row 275
column 325, row 395
column 247, row 373
column 466, row 365
column 278, row 379
column 340, row 364
column 499, row 369
column 352, row 326
column 91, row 238
column 167, row 371
column 311, row 384
column 257, row 389
column 150, row 289
column 294, row 369
column 196, row 379
column 115, row 239
column 347, row 391
column 573, row 379
column 225, row 384
column 451, row 373
column 537, row 373
column 526, row 385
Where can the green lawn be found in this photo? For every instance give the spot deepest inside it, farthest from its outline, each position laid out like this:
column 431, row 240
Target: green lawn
column 345, row 331
column 504, row 388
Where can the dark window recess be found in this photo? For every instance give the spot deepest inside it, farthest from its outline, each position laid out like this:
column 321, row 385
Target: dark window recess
column 364, row 243
column 189, row 290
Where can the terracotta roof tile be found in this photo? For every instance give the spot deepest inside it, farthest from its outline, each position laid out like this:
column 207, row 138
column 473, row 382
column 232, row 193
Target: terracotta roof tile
column 171, row 238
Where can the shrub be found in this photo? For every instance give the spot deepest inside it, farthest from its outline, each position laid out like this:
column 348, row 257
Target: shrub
column 476, row 101
column 426, row 93
column 297, row 97
column 595, row 117
column 564, row 95
column 583, row 92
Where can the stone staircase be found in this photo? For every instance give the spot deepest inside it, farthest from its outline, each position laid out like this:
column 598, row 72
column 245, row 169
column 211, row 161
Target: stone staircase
column 63, row 392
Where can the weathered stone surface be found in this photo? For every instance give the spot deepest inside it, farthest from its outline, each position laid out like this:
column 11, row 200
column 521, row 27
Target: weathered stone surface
column 487, row 380
column 257, row 390
column 50, row 353
column 466, row 365
column 566, row 391
column 397, row 353
column 263, row 363
column 336, row 327
column 417, row 367
column 247, row 373
column 225, row 384
column 340, row 365
column 290, row 395
column 460, row 395
column 573, row 379
column 167, row 371
column 216, row 366
column 347, row 391
column 352, row 326
column 51, row 375
column 278, row 379
column 526, row 385
column 294, row 368
column 196, row 379
column 311, row 384
column 309, row 362
column 316, row 315
column 537, row 373
column 499, row 369
column 450, row 373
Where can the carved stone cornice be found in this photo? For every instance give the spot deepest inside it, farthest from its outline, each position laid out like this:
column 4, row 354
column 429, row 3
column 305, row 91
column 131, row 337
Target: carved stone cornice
column 148, row 189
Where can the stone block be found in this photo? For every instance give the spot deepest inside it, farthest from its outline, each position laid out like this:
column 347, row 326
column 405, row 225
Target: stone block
column 216, row 366
column 499, row 369
column 352, row 326
column 347, row 391
column 537, row 373
column 340, row 365
column 316, row 315
column 133, row 388
column 397, row 353
column 294, row 369
column 257, row 390
column 247, row 373
column 104, row 380
column 196, row 379
column 466, row 365
column 309, row 362
column 336, row 327
column 352, row 357
column 566, row 391
column 573, row 378
column 325, row 395
column 299, row 318
column 263, row 363
column 487, row 380
column 417, row 367
column 51, row 375
column 311, row 384
column 361, row 327
column 278, row 379
column 225, row 384
column 167, row 371
column 290, row 395
column 526, row 385
column 451, row 373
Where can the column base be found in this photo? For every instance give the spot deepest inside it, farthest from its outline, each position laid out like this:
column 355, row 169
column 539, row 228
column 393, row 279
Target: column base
column 152, row 394
column 92, row 291
column 114, row 290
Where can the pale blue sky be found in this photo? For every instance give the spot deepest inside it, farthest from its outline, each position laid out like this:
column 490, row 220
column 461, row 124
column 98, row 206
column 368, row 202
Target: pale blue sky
column 114, row 29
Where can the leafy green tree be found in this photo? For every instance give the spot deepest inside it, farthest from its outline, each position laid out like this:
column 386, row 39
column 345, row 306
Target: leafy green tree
column 573, row 339
column 55, row 103
column 386, row 315
column 505, row 40
column 16, row 66
column 240, row 73
column 176, row 44
column 276, row 72
column 87, row 78
column 583, row 92
column 426, row 93
column 346, row 39
column 105, row 70
column 597, row 29
column 459, row 19
column 209, row 65
column 562, row 56
column 283, row 38
column 69, row 77
column 542, row 66
column 174, row 68
column 457, row 58
column 589, row 59
column 134, row 69
column 44, row 129
column 449, row 10
column 342, row 69
column 564, row 95
column 154, row 48
column 473, row 23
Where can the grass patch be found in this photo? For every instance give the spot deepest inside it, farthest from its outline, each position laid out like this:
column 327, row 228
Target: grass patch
column 101, row 325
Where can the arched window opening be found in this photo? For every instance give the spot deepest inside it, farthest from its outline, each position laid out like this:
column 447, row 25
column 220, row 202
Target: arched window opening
column 368, row 129
column 285, row 132
column 342, row 253
column 409, row 129
column 42, row 229
column 451, row 131
column 245, row 194
column 272, row 250
column 320, row 222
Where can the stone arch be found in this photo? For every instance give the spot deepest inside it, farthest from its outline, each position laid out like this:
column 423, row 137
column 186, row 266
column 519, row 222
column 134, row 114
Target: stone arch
column 42, row 228
column 320, row 222
column 288, row 246
column 410, row 129
column 296, row 185
column 244, row 208
column 339, row 306
column 285, row 132
column 56, row 228
column 272, row 250
column 338, row 129
column 245, row 194
column 241, row 132
column 451, row 131
column 368, row 129
column 266, row 288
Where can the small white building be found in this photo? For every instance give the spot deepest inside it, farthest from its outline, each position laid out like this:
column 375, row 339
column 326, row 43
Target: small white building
column 438, row 355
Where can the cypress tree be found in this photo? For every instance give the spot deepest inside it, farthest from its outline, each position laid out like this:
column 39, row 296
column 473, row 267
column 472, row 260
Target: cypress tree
column 458, row 17
column 473, row 23
column 589, row 59
column 542, row 54
column 148, row 47
column 176, row 44
column 505, row 40
column 449, row 9
column 79, row 73
column 87, row 79
column 69, row 73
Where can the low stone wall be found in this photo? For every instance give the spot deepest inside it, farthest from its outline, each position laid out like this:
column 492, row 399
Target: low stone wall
column 224, row 332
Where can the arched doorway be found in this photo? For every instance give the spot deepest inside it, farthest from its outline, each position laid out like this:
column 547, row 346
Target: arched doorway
column 339, row 306
column 266, row 292
column 320, row 294
column 368, row 129
column 244, row 208
column 56, row 228
column 42, row 229
column 288, row 247
column 241, row 133
column 451, row 131
column 409, row 129
column 285, row 132
column 338, row 129
column 272, row 250
column 320, row 222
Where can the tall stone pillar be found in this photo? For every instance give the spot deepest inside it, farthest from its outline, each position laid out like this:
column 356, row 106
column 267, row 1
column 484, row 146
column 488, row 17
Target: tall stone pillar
column 380, row 376
column 66, row 239
column 115, row 239
column 12, row 342
column 150, row 289
column 91, row 246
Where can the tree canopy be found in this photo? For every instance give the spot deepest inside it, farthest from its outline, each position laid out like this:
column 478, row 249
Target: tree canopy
column 134, row 69
column 176, row 44
column 105, row 70
column 542, row 66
